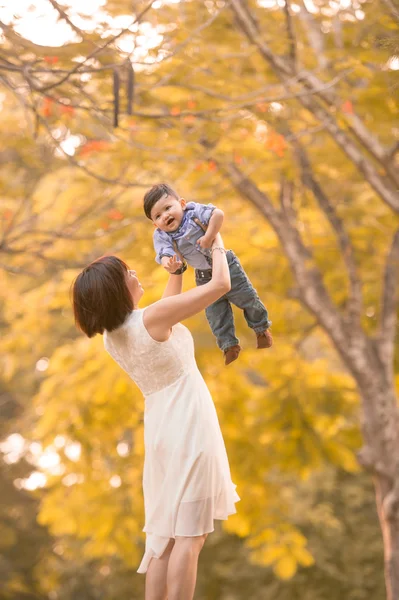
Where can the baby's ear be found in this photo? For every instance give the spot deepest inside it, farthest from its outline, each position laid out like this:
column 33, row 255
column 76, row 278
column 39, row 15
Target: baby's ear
column 183, row 203
column 155, row 225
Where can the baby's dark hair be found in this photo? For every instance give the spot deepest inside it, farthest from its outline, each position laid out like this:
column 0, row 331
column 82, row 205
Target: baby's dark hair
column 155, row 194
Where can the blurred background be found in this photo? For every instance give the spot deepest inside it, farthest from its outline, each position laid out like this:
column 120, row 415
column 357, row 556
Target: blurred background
column 284, row 114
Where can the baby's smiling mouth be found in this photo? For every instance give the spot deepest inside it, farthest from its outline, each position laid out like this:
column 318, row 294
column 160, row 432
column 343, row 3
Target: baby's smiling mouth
column 170, row 221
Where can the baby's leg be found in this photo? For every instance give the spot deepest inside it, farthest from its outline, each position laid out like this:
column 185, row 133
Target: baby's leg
column 244, row 295
column 221, row 320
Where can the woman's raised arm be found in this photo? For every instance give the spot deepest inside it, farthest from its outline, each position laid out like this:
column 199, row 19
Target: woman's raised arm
column 160, row 317
column 175, row 282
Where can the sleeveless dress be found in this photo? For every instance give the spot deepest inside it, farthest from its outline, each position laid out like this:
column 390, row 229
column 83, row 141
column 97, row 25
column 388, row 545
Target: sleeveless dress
column 186, row 478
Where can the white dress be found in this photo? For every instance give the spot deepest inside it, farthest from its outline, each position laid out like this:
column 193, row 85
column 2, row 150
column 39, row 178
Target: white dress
column 186, row 479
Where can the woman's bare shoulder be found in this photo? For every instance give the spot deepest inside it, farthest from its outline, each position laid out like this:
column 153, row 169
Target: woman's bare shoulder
column 154, row 322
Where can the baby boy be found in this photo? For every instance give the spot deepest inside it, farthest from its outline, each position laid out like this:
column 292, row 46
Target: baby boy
column 187, row 229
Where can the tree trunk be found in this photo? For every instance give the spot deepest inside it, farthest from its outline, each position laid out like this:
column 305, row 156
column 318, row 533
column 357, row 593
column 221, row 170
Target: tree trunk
column 390, row 533
column 380, row 457
column 368, row 359
column 364, row 359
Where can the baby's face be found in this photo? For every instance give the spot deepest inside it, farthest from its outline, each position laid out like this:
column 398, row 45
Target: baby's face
column 167, row 213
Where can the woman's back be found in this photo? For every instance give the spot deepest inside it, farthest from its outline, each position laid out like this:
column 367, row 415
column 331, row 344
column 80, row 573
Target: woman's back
column 152, row 365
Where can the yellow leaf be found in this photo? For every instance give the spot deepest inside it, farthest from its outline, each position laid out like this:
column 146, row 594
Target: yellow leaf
column 303, row 556
column 285, row 568
column 269, row 555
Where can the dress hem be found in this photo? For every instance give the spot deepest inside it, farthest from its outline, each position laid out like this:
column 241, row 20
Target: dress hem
column 150, row 554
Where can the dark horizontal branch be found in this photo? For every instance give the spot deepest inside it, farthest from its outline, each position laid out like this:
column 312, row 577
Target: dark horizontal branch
column 52, row 71
column 235, row 107
column 200, row 113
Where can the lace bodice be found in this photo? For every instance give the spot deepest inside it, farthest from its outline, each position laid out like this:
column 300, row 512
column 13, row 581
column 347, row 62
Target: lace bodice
column 152, row 365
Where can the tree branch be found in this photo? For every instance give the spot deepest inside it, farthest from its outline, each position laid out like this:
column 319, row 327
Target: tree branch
column 250, row 27
column 393, row 10
column 65, row 17
column 282, row 69
column 389, row 308
column 314, row 35
column 291, row 33
column 355, row 290
column 313, row 293
column 356, row 124
column 96, row 51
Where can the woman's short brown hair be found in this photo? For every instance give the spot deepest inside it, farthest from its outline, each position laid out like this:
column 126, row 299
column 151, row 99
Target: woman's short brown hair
column 101, row 298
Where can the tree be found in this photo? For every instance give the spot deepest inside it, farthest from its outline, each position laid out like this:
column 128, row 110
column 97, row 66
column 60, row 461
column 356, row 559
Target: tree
column 291, row 107
column 369, row 358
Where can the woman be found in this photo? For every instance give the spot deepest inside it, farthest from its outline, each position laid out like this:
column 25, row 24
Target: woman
column 186, row 478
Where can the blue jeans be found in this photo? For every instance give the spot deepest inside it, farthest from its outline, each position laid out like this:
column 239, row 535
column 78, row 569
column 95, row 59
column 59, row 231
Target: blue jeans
column 243, row 295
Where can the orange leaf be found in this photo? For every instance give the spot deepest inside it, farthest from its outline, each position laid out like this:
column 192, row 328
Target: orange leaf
column 51, row 60
column 191, row 104
column 67, row 110
column 93, row 146
column 115, row 214
column 175, row 111
column 347, row 107
column 276, row 143
column 47, row 106
column 262, row 106
column 212, row 165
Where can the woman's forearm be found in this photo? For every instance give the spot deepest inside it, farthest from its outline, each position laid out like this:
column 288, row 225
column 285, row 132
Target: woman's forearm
column 220, row 267
column 174, row 286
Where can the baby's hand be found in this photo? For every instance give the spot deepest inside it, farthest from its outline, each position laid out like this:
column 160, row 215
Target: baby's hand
column 173, row 264
column 205, row 242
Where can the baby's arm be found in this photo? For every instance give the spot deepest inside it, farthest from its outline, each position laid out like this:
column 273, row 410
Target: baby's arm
column 214, row 226
column 165, row 253
column 171, row 263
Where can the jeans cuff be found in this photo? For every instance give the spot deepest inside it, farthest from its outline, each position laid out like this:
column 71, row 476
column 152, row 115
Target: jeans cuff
column 261, row 328
column 229, row 345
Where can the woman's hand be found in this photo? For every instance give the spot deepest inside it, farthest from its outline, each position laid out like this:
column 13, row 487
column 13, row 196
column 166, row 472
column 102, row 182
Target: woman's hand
column 205, row 242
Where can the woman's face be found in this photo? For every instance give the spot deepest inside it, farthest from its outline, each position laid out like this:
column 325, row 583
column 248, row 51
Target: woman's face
column 134, row 286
